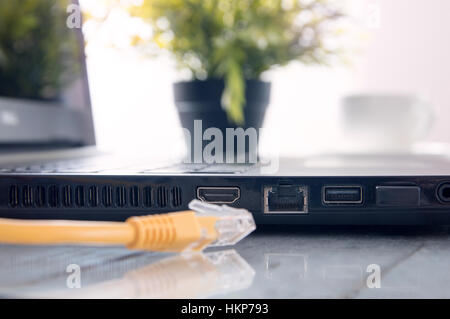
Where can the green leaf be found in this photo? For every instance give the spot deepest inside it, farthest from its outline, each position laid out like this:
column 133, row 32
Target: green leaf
column 233, row 99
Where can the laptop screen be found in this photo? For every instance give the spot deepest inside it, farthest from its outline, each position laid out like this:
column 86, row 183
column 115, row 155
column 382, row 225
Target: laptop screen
column 44, row 96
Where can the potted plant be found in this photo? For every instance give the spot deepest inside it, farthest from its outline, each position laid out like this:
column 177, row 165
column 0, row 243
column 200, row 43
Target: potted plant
column 227, row 44
column 34, row 56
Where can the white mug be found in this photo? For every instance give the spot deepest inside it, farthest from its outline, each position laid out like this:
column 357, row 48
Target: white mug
column 390, row 122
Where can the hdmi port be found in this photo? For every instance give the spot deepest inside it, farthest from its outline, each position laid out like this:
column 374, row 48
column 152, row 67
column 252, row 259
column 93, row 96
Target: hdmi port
column 218, row 195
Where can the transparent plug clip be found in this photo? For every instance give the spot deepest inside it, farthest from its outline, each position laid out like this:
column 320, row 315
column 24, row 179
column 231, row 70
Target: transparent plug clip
column 230, row 224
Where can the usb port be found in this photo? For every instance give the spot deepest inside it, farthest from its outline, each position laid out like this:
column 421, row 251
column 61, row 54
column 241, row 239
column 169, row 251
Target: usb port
column 342, row 195
column 218, row 195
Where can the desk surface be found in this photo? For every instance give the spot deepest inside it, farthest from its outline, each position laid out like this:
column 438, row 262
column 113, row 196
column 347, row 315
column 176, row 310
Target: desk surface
column 271, row 263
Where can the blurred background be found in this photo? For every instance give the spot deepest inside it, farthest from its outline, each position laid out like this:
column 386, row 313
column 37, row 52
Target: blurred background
column 396, row 47
column 389, row 85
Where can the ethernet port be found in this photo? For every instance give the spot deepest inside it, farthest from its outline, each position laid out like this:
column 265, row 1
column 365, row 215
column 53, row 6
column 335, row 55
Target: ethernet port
column 286, row 199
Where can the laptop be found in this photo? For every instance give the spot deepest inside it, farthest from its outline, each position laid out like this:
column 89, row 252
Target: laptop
column 50, row 169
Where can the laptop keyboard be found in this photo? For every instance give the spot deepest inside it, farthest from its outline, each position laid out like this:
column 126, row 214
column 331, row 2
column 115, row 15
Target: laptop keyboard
column 108, row 164
column 88, row 165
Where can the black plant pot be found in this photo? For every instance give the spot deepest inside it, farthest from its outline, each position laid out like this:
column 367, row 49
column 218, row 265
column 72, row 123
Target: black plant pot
column 201, row 100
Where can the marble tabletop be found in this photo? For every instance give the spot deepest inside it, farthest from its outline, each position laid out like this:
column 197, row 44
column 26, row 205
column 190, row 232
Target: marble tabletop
column 273, row 262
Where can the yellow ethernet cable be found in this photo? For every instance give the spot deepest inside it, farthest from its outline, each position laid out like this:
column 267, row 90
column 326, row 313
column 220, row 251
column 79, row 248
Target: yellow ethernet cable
column 203, row 226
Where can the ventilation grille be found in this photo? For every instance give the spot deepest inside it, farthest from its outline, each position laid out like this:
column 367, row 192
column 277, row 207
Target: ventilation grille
column 135, row 197
column 107, row 196
column 121, row 196
column 53, row 196
column 94, row 196
column 176, row 196
column 27, row 196
column 161, row 197
column 80, row 196
column 67, row 196
column 40, row 199
column 14, row 196
column 148, row 196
